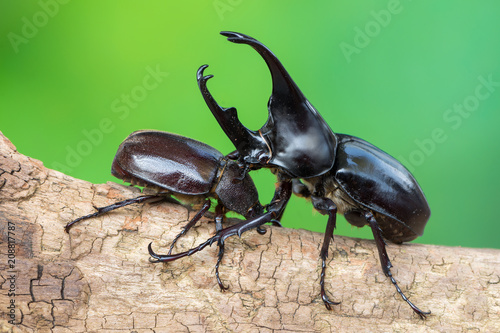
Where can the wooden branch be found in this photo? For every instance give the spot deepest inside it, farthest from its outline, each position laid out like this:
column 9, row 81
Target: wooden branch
column 98, row 277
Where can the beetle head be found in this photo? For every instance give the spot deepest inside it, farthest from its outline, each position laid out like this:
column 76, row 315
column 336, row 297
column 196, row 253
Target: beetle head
column 295, row 137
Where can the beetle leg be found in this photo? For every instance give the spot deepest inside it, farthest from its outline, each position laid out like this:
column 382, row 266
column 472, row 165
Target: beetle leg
column 219, row 259
column 326, row 206
column 386, row 263
column 236, row 229
column 275, row 209
column 196, row 218
column 103, row 210
column 219, row 214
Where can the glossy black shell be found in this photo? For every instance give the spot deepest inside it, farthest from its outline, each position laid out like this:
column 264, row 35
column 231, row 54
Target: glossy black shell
column 169, row 161
column 294, row 138
column 300, row 140
column 377, row 181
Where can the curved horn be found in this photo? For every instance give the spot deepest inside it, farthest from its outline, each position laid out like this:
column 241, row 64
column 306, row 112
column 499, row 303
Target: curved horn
column 301, row 141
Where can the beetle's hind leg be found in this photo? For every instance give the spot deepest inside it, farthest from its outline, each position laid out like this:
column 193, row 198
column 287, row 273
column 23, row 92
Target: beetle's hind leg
column 106, row 209
column 386, row 263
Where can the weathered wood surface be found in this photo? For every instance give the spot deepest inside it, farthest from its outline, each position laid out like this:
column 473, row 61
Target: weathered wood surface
column 98, row 277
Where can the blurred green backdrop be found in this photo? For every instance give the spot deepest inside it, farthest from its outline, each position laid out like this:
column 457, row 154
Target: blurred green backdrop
column 419, row 79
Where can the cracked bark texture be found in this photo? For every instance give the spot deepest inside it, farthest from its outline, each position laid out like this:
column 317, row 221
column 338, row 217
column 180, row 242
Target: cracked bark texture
column 98, row 277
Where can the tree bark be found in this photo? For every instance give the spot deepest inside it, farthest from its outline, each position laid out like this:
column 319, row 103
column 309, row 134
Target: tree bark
column 98, row 277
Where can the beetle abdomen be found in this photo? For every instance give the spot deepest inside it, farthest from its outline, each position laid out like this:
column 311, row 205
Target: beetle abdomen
column 377, row 181
column 169, row 161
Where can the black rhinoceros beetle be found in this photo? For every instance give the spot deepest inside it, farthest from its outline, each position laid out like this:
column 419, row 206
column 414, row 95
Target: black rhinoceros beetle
column 190, row 170
column 339, row 173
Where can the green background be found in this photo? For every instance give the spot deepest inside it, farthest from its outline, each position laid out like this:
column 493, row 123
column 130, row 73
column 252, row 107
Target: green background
column 394, row 73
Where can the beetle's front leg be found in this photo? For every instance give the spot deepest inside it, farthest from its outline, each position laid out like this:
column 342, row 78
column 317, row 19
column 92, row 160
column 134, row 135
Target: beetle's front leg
column 386, row 263
column 237, row 229
column 219, row 215
column 326, row 206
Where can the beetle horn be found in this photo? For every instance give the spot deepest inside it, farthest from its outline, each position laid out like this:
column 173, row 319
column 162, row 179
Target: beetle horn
column 299, row 138
column 249, row 144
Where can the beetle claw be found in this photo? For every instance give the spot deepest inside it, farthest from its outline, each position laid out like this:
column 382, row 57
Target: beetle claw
column 155, row 257
column 422, row 314
column 328, row 303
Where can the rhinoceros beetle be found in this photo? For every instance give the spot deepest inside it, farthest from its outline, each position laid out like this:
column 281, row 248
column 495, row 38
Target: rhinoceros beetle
column 339, row 173
column 190, row 170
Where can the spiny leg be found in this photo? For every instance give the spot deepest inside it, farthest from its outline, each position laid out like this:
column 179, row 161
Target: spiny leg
column 275, row 209
column 103, row 210
column 236, row 229
column 326, row 206
column 196, row 218
column 220, row 244
column 281, row 197
column 219, row 215
column 386, row 263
